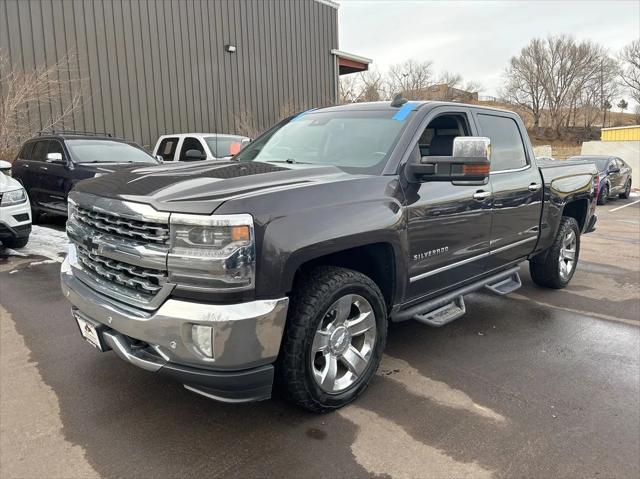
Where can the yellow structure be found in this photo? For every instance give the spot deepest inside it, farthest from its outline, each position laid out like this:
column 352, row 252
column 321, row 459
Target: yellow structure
column 621, row 133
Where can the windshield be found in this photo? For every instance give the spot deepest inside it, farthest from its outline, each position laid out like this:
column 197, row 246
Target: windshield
column 221, row 147
column 105, row 151
column 601, row 163
column 354, row 140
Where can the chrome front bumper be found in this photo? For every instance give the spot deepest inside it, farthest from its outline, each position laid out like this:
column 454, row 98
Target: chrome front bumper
column 245, row 335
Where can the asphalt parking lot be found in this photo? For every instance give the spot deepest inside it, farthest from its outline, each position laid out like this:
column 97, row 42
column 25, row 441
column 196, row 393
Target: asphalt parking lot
column 538, row 384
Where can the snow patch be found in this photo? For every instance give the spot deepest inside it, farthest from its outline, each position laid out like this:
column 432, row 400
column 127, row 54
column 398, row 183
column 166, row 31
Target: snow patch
column 43, row 241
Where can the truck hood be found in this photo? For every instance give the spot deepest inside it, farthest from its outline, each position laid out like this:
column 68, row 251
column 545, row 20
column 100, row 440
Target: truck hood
column 201, row 187
column 93, row 169
column 8, row 184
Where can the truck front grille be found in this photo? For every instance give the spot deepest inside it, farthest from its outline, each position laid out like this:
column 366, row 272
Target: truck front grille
column 146, row 281
column 123, row 227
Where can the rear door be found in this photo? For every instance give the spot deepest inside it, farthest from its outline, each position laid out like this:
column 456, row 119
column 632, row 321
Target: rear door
column 167, row 148
column 517, row 187
column 449, row 225
column 33, row 174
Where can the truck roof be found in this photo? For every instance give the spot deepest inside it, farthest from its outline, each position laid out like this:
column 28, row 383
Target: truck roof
column 386, row 105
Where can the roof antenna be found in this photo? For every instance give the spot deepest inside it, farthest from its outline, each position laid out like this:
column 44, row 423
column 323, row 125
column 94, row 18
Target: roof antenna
column 398, row 100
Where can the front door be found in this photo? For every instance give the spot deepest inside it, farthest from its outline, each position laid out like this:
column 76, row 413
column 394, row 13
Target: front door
column 517, row 189
column 55, row 179
column 449, row 225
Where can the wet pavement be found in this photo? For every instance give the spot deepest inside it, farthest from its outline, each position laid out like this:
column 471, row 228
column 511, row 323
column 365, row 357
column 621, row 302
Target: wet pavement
column 540, row 383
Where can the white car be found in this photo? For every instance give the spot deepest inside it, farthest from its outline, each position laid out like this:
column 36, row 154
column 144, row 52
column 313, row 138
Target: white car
column 15, row 210
column 198, row 146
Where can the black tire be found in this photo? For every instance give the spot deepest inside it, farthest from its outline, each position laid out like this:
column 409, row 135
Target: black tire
column 604, row 195
column 314, row 294
column 627, row 191
column 16, row 242
column 545, row 269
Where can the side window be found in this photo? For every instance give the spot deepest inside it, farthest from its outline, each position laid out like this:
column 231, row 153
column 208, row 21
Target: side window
column 167, row 148
column 56, row 147
column 507, row 148
column 25, row 152
column 190, row 143
column 437, row 138
column 39, row 152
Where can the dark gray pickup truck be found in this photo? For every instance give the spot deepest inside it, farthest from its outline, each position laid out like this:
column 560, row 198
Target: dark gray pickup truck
column 286, row 264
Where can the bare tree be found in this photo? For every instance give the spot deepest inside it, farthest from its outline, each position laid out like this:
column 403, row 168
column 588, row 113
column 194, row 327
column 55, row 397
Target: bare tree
column 371, row 86
column 525, row 79
column 347, row 89
column 411, row 78
column 630, row 74
column 567, row 67
column 39, row 99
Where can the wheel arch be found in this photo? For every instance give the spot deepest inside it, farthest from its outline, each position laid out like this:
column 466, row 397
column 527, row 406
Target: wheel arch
column 375, row 260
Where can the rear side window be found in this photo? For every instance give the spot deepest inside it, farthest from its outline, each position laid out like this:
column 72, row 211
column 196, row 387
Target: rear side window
column 167, row 148
column 507, row 148
column 190, row 143
column 39, row 152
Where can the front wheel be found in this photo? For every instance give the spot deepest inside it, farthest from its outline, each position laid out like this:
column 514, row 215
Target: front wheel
column 627, row 191
column 333, row 342
column 15, row 243
column 555, row 268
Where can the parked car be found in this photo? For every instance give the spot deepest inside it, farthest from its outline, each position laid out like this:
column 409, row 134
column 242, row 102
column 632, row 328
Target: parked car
column 198, row 146
column 289, row 261
column 615, row 176
column 50, row 164
column 15, row 211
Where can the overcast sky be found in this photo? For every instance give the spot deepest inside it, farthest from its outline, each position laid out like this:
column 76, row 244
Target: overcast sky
column 476, row 38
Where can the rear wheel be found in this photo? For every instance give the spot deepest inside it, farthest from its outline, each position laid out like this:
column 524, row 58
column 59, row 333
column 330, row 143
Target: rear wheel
column 627, row 190
column 558, row 264
column 604, row 195
column 333, row 342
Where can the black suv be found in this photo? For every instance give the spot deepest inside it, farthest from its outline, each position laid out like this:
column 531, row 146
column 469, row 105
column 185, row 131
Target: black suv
column 50, row 164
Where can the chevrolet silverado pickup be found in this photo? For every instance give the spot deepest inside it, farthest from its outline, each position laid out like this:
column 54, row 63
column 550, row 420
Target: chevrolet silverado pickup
column 282, row 267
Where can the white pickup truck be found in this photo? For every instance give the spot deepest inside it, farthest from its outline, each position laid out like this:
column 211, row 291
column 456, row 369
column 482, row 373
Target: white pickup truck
column 198, row 146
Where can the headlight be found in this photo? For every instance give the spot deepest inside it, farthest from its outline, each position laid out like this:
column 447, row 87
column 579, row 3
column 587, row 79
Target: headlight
column 212, row 252
column 14, row 197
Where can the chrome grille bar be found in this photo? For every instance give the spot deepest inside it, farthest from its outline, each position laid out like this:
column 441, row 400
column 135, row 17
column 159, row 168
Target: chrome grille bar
column 121, row 226
column 144, row 280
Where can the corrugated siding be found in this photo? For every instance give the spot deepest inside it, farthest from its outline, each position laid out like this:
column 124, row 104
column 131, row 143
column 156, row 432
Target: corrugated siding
column 152, row 67
column 626, row 133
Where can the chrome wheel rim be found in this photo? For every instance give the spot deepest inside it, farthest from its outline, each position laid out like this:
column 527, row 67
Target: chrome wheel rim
column 343, row 344
column 568, row 254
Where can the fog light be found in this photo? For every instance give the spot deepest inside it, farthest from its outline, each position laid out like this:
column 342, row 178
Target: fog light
column 203, row 339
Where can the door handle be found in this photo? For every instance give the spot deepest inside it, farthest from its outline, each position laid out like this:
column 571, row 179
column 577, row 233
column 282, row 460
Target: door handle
column 535, row 186
column 481, row 195
column 44, row 168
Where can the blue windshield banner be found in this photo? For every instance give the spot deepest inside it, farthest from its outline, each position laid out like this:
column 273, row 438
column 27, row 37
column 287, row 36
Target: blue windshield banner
column 403, row 112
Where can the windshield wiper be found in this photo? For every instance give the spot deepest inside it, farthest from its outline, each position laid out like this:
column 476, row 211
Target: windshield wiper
column 291, row 161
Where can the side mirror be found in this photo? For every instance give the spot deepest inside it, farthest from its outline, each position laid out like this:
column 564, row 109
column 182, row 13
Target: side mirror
column 5, row 166
column 195, row 155
column 160, row 158
column 245, row 142
column 470, row 162
column 55, row 158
